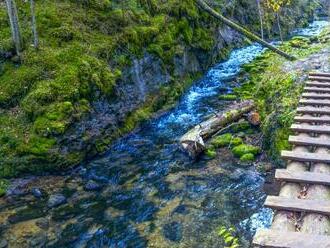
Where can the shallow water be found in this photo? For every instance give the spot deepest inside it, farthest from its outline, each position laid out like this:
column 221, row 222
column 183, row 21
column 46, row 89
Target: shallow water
column 152, row 194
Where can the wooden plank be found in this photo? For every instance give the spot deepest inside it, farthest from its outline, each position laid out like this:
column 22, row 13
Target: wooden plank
column 321, row 129
column 298, row 205
column 306, row 157
column 319, row 74
column 312, row 119
column 317, row 84
column 278, row 239
column 314, row 102
column 320, row 79
column 313, row 110
column 316, row 89
column 302, row 177
column 309, row 141
column 315, row 95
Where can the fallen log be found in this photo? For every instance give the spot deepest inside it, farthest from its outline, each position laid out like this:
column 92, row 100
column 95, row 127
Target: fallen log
column 193, row 141
column 203, row 5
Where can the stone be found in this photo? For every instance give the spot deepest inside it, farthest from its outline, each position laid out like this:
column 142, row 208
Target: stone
column 3, row 243
column 43, row 223
column 36, row 192
column 173, row 231
column 254, row 118
column 56, row 200
column 92, row 186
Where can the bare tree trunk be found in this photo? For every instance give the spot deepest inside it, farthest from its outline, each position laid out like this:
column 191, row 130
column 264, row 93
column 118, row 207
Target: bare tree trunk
column 203, row 5
column 279, row 25
column 34, row 25
column 14, row 25
column 260, row 19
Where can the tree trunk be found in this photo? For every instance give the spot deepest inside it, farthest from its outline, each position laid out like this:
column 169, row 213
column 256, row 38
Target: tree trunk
column 203, row 5
column 14, row 25
column 193, row 140
column 279, row 25
column 260, row 19
column 34, row 25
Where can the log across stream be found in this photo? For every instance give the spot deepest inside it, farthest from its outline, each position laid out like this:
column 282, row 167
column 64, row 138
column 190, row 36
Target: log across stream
column 194, row 140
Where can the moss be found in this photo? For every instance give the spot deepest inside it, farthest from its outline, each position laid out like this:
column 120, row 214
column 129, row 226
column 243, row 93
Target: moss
column 210, row 153
column 240, row 126
column 247, row 157
column 4, row 184
column 243, row 149
column 228, row 97
column 225, row 140
column 276, row 92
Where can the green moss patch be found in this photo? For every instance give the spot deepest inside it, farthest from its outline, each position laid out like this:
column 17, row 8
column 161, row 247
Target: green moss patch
column 4, row 184
column 243, row 149
column 228, row 97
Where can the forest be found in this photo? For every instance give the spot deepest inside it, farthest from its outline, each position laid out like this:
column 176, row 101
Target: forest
column 153, row 123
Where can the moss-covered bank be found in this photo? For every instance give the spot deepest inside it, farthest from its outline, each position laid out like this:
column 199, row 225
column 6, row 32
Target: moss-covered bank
column 276, row 86
column 85, row 50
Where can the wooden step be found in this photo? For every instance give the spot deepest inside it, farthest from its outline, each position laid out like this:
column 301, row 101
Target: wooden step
column 319, row 74
column 318, row 84
column 314, row 102
column 309, row 141
column 321, row 129
column 313, row 110
column 316, row 96
column 282, row 239
column 298, row 205
column 312, row 119
column 316, row 89
column 302, row 177
column 318, row 78
column 306, row 157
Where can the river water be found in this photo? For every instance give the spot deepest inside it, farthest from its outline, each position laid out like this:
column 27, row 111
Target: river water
column 152, row 194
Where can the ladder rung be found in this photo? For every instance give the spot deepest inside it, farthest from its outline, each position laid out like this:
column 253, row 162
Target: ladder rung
column 306, row 156
column 314, row 102
column 318, row 78
column 302, row 177
column 316, row 89
column 313, row 110
column 315, row 95
column 281, row 239
column 309, row 141
column 298, row 205
column 311, row 128
column 319, row 74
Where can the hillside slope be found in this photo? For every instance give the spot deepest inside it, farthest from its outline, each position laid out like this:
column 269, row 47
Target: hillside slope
column 104, row 66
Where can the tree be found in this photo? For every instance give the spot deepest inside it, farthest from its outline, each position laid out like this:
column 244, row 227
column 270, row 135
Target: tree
column 203, row 5
column 34, row 25
column 260, row 19
column 14, row 25
column 276, row 6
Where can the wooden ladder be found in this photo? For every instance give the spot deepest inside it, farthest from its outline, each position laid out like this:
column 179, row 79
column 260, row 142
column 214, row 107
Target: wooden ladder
column 311, row 141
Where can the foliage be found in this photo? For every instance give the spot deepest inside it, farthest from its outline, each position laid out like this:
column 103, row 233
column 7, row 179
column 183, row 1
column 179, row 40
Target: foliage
column 3, row 186
column 228, row 236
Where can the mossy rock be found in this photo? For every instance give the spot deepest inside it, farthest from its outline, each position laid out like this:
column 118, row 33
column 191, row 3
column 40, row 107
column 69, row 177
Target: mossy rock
column 228, row 97
column 226, row 140
column 243, row 149
column 249, row 157
column 210, row 153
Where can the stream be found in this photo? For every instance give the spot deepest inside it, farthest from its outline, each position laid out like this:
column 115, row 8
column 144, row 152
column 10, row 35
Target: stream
column 145, row 192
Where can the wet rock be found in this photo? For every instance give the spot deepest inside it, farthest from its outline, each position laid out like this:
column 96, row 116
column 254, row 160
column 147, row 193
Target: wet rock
column 43, row 223
column 182, row 209
column 36, row 192
column 173, row 231
column 3, row 243
column 92, row 186
column 56, row 200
